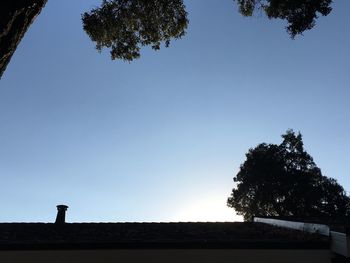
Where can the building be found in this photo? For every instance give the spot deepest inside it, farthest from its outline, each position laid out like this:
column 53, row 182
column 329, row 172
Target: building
column 159, row 242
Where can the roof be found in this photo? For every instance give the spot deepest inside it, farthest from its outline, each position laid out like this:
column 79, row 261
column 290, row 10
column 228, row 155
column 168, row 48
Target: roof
column 17, row 236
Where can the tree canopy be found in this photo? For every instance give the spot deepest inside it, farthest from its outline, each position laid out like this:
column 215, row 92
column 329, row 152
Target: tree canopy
column 125, row 26
column 283, row 180
column 301, row 15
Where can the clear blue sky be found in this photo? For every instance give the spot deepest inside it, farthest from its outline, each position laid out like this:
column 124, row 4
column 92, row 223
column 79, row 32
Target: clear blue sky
column 161, row 138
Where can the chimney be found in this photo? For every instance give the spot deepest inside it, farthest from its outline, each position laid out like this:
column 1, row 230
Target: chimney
column 61, row 214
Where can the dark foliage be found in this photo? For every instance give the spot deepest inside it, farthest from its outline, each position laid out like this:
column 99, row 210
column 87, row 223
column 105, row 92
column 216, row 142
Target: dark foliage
column 125, row 26
column 283, row 180
column 301, row 15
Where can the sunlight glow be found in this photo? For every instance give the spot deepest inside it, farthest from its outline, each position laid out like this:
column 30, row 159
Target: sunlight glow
column 208, row 210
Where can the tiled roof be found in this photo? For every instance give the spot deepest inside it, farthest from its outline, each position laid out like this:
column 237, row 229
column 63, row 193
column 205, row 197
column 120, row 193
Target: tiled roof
column 153, row 235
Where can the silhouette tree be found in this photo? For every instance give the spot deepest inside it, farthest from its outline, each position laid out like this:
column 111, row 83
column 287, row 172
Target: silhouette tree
column 125, row 26
column 283, row 180
column 301, row 15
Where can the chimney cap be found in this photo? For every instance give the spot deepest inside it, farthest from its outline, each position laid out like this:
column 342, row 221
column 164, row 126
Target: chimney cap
column 62, row 207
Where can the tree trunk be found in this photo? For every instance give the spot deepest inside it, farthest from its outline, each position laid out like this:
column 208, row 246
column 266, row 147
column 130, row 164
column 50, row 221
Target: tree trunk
column 15, row 18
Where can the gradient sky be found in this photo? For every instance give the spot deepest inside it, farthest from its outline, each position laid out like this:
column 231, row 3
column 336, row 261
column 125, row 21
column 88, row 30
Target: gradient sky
column 161, row 138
